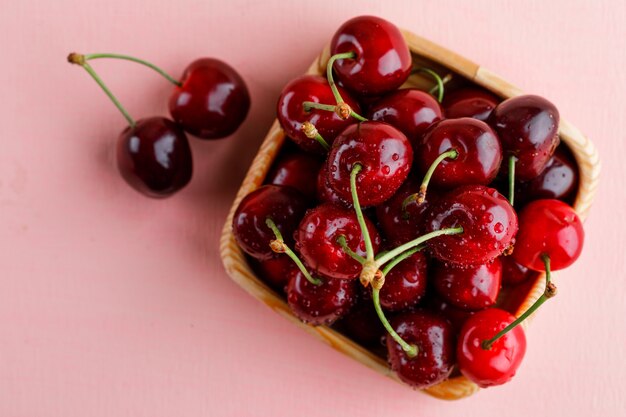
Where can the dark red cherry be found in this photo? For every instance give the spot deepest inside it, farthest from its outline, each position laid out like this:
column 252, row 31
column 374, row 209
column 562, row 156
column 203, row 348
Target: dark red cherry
column 488, row 220
column 154, row 157
column 551, row 228
column 317, row 236
column 479, row 153
column 291, row 113
column 405, row 284
column 514, row 273
column 472, row 288
column 469, row 102
column 325, row 194
column 410, row 110
column 362, row 325
column 284, row 205
column 212, row 101
column 320, row 304
column 383, row 60
column 298, row 170
column 275, row 271
column 384, row 153
column 456, row 316
column 434, row 337
column 528, row 129
column 498, row 364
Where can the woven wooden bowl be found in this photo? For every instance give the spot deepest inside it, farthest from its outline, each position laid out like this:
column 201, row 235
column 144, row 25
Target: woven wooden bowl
column 425, row 53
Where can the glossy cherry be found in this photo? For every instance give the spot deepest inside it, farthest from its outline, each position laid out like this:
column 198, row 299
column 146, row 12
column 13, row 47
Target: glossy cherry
column 405, row 284
column 320, row 304
column 456, row 316
column 212, row 99
column 548, row 228
column 284, row 205
column 469, row 102
column 382, row 62
column 325, row 194
column 275, row 271
column 298, row 170
column 528, row 129
column 410, row 110
column 488, row 220
column 468, row 287
column 497, row 364
column 292, row 113
column 384, row 153
column 317, row 240
column 362, row 325
column 514, row 273
column 434, row 337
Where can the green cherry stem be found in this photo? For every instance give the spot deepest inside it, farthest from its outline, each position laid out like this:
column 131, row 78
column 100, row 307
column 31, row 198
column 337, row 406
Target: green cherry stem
column 369, row 248
column 512, row 161
column 89, row 57
column 395, row 261
column 549, row 292
column 438, row 80
column 444, row 81
column 79, row 59
column 409, row 349
column 279, row 246
column 329, row 72
column 310, row 131
column 341, row 240
column 416, row 242
column 420, row 196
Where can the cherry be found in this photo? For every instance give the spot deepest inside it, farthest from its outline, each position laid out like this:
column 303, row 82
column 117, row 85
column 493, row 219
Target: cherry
column 528, row 129
column 384, row 154
column 362, row 325
column 469, row 102
column 320, row 304
column 434, row 338
column 211, row 100
column 496, row 364
column 472, row 288
column 380, row 60
column 410, row 110
column 292, row 113
column 275, row 271
column 514, row 273
column 456, row 316
column 548, row 229
column 154, row 157
column 488, row 221
column 298, row 170
column 405, row 284
column 325, row 194
column 318, row 239
column 285, row 206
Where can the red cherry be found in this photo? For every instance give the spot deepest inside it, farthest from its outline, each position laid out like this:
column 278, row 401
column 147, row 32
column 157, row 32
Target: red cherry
column 405, row 284
column 497, row 364
column 384, row 153
column 284, row 205
column 382, row 62
column 469, row 102
column 275, row 271
column 320, row 304
column 489, row 225
column 361, row 324
column 154, row 157
column 298, row 170
column 456, row 316
column 471, row 288
column 548, row 228
column 317, row 240
column 212, row 100
column 291, row 112
column 410, row 110
column 514, row 273
column 434, row 338
column 325, row 194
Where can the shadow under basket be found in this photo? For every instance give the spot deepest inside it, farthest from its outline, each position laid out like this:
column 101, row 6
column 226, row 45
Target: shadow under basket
column 443, row 61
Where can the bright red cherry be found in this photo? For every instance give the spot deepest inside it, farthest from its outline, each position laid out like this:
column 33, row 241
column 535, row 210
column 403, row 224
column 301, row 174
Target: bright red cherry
column 488, row 220
column 434, row 338
column 469, row 102
column 285, row 206
column 410, row 110
column 317, row 240
column 154, row 157
column 320, row 304
column 498, row 363
column 212, row 100
column 472, row 288
column 275, row 271
column 528, row 128
column 405, row 284
column 514, row 273
column 292, row 114
column 548, row 228
column 382, row 62
column 384, row 153
column 298, row 170
column 325, row 194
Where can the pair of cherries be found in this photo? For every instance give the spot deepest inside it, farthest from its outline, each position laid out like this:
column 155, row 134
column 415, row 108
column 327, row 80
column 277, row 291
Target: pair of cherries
column 210, row 101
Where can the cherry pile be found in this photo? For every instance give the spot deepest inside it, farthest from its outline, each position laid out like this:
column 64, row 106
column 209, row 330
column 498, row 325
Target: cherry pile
column 210, row 101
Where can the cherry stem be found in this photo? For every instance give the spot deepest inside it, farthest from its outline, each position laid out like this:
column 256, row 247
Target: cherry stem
column 395, row 261
column 420, row 196
column 279, row 246
column 438, row 80
column 512, row 161
column 341, row 240
column 168, row 77
column 445, row 81
column 308, row 105
column 333, row 87
column 549, row 292
column 311, row 132
column 409, row 349
column 79, row 59
column 369, row 249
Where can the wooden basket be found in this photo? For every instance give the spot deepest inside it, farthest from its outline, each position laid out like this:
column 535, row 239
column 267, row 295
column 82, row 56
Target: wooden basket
column 425, row 53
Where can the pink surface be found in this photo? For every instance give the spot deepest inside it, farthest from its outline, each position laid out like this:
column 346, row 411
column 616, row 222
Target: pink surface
column 112, row 304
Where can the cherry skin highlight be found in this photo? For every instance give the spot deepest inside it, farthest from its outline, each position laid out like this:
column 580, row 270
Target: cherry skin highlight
column 469, row 102
column 471, row 288
column 212, row 101
column 405, row 284
column 297, row 170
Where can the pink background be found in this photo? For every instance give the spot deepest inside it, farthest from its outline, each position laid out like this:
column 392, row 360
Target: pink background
column 112, row 304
